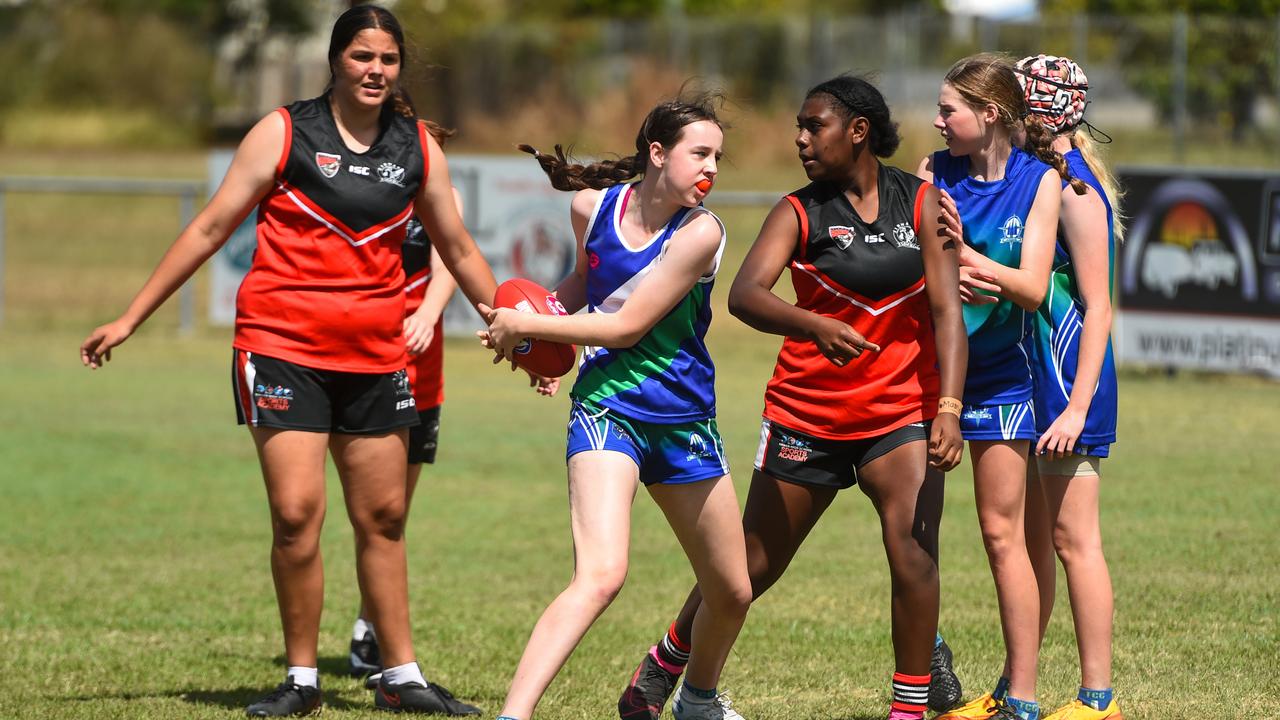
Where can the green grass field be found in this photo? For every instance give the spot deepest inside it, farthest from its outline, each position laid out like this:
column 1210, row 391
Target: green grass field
column 134, row 535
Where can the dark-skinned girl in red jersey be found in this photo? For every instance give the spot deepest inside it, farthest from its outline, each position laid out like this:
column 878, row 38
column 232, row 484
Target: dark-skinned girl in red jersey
column 865, row 387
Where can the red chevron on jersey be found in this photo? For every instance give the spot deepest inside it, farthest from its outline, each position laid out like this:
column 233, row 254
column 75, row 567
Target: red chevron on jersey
column 870, row 276
column 326, row 289
column 874, row 307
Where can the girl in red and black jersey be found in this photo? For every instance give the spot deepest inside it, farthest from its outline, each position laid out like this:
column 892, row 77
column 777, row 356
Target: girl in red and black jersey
column 866, row 383
column 319, row 341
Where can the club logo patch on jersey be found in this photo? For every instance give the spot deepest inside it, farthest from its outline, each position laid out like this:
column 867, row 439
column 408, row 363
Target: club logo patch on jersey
column 1012, row 229
column 328, row 163
column 391, row 173
column 904, row 236
column 841, row 235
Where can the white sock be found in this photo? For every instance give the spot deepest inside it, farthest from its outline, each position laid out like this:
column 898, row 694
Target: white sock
column 304, row 676
column 361, row 627
column 406, row 673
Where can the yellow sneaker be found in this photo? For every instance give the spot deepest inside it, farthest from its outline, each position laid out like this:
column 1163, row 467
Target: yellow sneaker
column 980, row 708
column 1076, row 710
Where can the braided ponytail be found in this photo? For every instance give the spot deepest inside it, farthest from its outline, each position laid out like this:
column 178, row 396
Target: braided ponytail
column 989, row 78
column 1040, row 143
column 663, row 125
column 596, row 176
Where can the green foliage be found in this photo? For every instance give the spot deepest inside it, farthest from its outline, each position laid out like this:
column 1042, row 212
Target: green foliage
column 1231, row 48
column 78, row 57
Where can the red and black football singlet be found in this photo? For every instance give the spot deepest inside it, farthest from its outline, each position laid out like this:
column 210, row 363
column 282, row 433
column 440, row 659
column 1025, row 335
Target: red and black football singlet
column 870, row 276
column 426, row 370
column 326, row 289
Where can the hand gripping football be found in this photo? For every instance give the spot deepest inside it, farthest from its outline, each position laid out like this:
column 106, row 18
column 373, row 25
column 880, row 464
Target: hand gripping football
column 540, row 357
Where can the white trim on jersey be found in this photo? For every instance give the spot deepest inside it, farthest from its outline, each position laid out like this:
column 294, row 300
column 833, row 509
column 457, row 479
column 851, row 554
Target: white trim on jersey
column 715, row 266
column 872, row 311
column 1060, row 340
column 417, row 283
column 408, row 213
column 595, row 212
column 625, row 195
column 1009, row 426
column 595, row 434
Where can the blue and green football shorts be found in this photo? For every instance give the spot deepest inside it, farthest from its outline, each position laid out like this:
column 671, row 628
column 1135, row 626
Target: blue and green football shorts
column 671, row 454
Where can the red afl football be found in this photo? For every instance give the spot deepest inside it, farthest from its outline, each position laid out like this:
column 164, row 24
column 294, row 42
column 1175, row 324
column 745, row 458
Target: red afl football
column 540, row 357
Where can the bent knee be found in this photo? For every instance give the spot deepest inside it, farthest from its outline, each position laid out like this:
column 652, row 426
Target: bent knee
column 601, row 584
column 734, row 601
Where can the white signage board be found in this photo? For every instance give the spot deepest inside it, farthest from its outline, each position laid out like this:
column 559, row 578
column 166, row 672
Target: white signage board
column 1207, row 342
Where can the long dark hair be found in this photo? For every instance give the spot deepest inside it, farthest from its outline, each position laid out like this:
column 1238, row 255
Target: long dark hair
column 856, row 97
column 371, row 17
column 989, row 78
column 664, row 124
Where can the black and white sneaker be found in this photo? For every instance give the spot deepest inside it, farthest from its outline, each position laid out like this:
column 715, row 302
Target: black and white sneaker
column 287, row 699
column 365, row 658
column 415, row 698
column 944, row 686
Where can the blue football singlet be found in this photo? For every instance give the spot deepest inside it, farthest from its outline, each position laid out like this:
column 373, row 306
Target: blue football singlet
column 666, row 377
column 994, row 214
column 1056, row 337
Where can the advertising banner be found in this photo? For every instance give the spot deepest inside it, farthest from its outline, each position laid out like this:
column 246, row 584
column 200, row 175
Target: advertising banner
column 1199, row 271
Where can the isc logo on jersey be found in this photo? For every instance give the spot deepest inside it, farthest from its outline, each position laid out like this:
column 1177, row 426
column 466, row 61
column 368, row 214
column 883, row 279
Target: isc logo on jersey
column 328, row 163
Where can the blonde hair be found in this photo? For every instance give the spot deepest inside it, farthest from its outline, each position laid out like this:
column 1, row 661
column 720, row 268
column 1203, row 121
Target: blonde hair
column 1092, row 155
column 989, row 79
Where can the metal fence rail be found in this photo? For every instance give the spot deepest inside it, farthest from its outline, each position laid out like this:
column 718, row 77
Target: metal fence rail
column 185, row 190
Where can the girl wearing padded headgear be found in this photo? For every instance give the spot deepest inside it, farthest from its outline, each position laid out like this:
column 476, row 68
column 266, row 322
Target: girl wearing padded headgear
column 866, row 387
column 1075, row 385
column 1009, row 201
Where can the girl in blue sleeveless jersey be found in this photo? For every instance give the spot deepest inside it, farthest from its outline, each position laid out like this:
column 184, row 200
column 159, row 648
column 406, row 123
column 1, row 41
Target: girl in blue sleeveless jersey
column 1008, row 200
column 644, row 401
column 1075, row 386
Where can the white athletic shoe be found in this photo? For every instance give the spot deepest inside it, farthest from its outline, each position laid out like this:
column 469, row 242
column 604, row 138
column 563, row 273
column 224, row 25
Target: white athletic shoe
column 718, row 709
